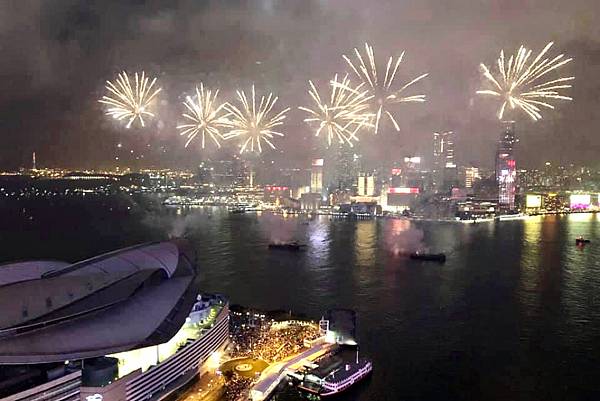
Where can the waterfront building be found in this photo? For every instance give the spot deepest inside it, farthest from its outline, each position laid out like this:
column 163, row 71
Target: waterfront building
column 345, row 169
column 506, row 173
column 85, row 329
column 316, row 176
column 444, row 171
column 471, row 174
column 366, row 184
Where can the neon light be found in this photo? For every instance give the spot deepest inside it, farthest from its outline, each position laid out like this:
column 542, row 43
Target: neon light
column 403, row 190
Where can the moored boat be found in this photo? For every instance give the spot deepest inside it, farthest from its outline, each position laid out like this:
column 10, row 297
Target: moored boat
column 428, row 257
column 286, row 246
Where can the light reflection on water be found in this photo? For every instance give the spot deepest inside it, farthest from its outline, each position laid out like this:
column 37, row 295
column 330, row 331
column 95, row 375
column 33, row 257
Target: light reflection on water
column 513, row 296
column 514, row 313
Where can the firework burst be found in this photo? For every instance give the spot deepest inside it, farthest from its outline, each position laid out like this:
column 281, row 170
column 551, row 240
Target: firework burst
column 254, row 123
column 205, row 117
column 127, row 101
column 343, row 115
column 519, row 83
column 384, row 92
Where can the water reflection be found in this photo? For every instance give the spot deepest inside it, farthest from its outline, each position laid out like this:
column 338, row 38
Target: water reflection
column 365, row 237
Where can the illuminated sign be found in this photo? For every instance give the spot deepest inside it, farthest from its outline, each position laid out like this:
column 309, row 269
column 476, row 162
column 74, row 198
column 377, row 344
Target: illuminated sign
column 580, row 201
column 317, row 162
column 396, row 171
column 533, row 201
column 273, row 188
column 95, row 397
column 414, row 159
column 402, row 190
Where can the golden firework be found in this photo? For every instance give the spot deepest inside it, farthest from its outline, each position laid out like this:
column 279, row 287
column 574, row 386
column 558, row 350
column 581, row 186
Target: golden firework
column 127, row 101
column 254, row 122
column 205, row 117
column 517, row 83
column 346, row 111
column 384, row 92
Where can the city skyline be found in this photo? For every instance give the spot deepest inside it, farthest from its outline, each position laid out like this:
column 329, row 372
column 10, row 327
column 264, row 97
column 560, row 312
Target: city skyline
column 58, row 120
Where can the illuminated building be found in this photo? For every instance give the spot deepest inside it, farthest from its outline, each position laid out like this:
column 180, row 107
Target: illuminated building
column 408, row 174
column 580, row 201
column 316, row 176
column 366, row 185
column 133, row 315
column 445, row 173
column 475, row 209
column 471, row 175
column 533, row 202
column 346, row 168
column 400, row 198
column 506, row 173
column 276, row 194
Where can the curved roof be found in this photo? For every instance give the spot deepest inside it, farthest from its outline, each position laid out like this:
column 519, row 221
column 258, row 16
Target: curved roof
column 98, row 306
column 27, row 270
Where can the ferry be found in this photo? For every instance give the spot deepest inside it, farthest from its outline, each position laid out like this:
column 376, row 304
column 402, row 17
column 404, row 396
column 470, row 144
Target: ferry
column 334, row 376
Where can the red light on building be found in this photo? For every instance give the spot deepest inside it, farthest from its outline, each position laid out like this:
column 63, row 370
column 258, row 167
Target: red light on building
column 510, row 163
column 276, row 188
column 396, row 171
column 402, row 190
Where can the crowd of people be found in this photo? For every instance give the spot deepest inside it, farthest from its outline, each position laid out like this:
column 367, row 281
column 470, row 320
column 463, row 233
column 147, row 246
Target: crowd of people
column 235, row 387
column 257, row 337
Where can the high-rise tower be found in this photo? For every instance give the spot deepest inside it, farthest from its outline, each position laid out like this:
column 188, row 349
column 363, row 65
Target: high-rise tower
column 506, row 171
column 445, row 174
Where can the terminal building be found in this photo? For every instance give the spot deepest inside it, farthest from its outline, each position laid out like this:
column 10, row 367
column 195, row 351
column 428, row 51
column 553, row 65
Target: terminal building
column 126, row 325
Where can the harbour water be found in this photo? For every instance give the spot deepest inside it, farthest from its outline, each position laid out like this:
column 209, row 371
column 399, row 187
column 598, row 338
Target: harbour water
column 513, row 314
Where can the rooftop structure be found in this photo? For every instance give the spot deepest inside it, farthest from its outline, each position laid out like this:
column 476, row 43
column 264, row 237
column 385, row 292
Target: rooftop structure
column 62, row 311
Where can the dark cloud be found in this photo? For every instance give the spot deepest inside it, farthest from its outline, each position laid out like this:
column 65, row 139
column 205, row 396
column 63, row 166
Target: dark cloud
column 56, row 56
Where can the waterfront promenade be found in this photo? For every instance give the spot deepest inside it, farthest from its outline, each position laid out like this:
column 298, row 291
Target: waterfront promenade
column 272, row 376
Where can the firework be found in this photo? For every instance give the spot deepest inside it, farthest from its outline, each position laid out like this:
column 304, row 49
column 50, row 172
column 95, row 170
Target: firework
column 127, row 101
column 205, row 117
column 384, row 92
column 519, row 83
column 343, row 115
column 254, row 123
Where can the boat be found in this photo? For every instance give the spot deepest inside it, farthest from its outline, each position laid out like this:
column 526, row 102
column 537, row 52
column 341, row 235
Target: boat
column 345, row 377
column 286, row 246
column 331, row 380
column 581, row 241
column 428, row 257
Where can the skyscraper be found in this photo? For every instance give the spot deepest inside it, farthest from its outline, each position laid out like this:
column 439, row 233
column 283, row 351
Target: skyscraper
column 445, row 174
column 366, row 184
column 346, row 167
column 316, row 176
column 471, row 175
column 506, row 172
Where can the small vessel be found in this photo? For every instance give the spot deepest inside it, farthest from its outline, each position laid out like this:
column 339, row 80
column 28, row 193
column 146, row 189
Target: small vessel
column 581, row 240
column 345, row 377
column 337, row 380
column 428, row 257
column 286, row 246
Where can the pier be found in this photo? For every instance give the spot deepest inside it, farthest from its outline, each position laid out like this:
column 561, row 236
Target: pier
column 272, row 376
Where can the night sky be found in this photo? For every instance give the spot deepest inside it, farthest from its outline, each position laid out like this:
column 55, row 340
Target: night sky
column 56, row 56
